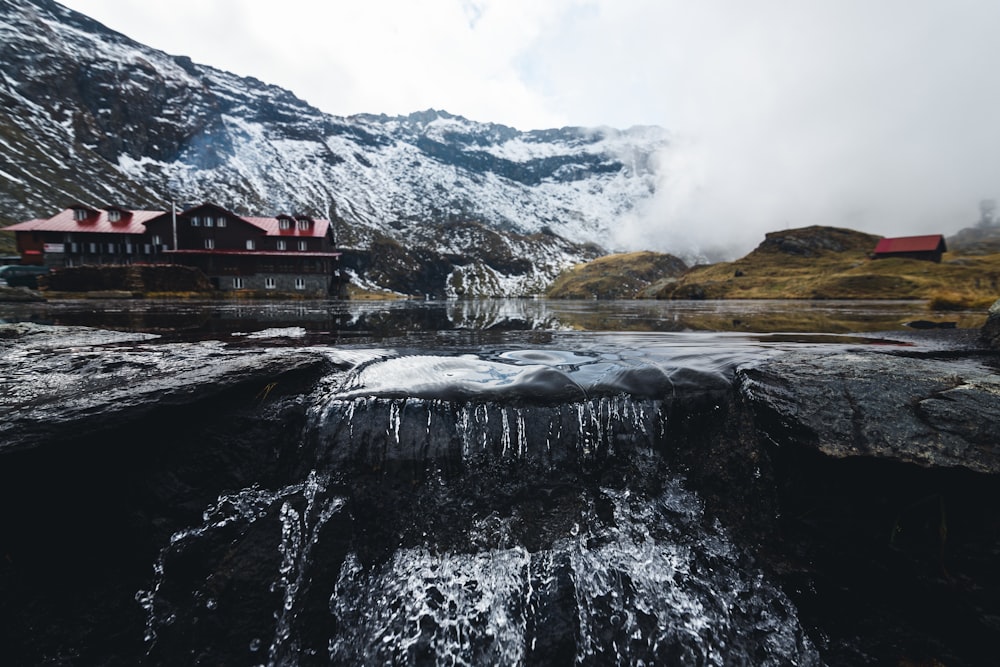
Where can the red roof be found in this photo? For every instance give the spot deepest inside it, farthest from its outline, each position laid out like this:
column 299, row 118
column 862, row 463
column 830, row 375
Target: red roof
column 272, row 227
column 23, row 226
column 929, row 243
column 131, row 222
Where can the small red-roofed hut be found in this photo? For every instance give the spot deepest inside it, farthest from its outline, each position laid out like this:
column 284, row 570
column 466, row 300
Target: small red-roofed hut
column 929, row 247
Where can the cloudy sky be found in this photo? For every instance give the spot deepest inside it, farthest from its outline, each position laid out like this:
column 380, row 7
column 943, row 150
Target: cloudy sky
column 881, row 115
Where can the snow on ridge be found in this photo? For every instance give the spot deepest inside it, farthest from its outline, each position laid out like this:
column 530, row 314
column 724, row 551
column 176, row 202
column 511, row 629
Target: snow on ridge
column 260, row 145
column 90, row 47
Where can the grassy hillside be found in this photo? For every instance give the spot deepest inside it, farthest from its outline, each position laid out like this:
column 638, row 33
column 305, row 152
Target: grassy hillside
column 831, row 263
column 624, row 276
column 8, row 246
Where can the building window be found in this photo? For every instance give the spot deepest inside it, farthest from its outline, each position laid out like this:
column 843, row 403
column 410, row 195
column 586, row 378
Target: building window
column 284, row 223
column 220, row 222
column 114, row 216
column 209, row 244
column 269, row 283
column 111, row 248
column 195, row 221
column 282, row 245
column 208, row 221
column 157, row 240
column 237, row 283
column 251, row 245
column 303, row 245
column 80, row 214
column 303, row 225
column 300, row 283
column 93, row 248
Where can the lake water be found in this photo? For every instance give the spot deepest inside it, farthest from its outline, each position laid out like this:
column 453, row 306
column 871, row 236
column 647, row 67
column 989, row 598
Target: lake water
column 366, row 321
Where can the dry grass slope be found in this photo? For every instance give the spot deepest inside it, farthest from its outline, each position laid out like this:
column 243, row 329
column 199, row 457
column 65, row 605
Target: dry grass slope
column 830, row 263
column 623, row 276
column 8, row 245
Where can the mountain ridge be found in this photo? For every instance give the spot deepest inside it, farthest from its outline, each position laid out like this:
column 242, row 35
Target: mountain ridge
column 95, row 116
column 182, row 128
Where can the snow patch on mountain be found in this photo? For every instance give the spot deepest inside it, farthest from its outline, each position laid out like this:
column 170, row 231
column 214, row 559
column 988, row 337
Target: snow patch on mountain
column 100, row 118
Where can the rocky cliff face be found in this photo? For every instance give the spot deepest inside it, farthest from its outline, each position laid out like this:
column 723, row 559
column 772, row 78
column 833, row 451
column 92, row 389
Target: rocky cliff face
column 816, row 241
column 91, row 115
column 981, row 239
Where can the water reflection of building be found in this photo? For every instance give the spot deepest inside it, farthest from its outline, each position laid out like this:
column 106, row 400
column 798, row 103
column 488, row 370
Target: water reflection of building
column 284, row 253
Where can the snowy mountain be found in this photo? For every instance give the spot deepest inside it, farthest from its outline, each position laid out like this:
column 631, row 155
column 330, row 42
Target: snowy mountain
column 90, row 115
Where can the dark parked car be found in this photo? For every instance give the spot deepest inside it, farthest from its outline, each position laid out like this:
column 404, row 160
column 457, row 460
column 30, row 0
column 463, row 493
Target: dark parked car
column 22, row 276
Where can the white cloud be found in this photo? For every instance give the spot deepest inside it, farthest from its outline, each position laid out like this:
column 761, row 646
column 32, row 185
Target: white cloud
column 379, row 56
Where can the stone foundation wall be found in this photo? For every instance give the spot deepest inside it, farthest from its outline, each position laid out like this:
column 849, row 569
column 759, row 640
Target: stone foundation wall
column 277, row 282
column 133, row 278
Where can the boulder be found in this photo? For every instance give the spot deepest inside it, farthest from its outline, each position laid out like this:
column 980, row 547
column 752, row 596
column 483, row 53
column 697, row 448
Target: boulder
column 990, row 333
column 881, row 477
column 69, row 382
column 933, row 411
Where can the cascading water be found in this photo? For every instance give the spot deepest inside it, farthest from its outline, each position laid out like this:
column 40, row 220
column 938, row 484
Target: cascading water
column 511, row 508
column 647, row 585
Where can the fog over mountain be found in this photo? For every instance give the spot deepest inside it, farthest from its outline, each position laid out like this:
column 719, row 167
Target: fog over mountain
column 873, row 116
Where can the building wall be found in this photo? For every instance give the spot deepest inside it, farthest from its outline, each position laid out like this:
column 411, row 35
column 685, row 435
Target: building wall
column 928, row 256
column 76, row 249
column 277, row 282
column 29, row 245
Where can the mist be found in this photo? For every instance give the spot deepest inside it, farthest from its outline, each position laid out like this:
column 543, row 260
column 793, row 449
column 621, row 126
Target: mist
column 879, row 117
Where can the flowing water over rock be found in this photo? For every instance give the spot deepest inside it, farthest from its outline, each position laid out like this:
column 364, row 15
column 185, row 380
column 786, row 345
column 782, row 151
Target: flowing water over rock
column 507, row 507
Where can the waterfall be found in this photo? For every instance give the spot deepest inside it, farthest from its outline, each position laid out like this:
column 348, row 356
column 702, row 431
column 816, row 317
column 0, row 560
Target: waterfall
column 461, row 511
column 651, row 586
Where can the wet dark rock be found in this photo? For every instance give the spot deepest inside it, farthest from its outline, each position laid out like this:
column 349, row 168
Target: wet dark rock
column 990, row 333
column 19, row 294
column 64, row 384
column 881, row 477
column 109, row 445
column 930, row 324
column 935, row 411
